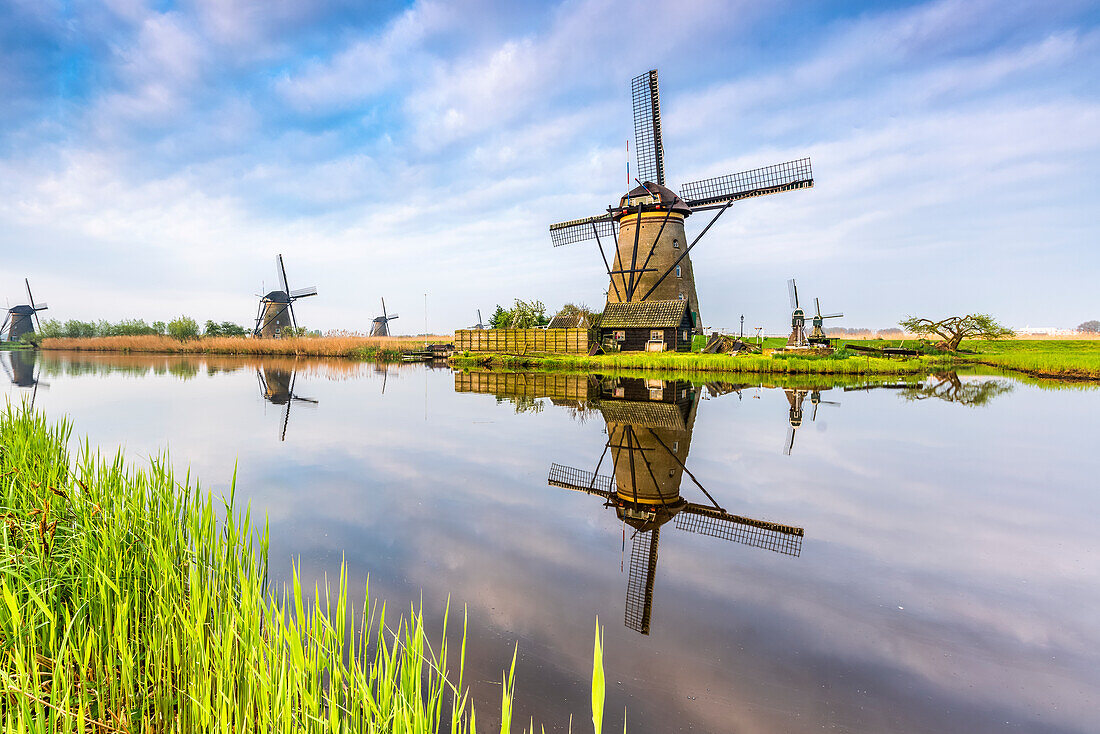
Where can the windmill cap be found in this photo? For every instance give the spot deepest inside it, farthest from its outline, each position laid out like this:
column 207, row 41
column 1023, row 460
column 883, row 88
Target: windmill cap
column 667, row 197
column 21, row 310
column 277, row 297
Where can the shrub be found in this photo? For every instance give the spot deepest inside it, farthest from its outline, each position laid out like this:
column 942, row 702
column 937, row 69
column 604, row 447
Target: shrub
column 182, row 328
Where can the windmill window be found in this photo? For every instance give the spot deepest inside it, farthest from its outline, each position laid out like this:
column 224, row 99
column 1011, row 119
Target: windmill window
column 678, row 271
column 675, row 243
column 681, row 296
column 675, row 447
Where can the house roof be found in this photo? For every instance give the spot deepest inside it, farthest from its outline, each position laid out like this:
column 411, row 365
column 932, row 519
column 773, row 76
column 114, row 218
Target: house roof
column 568, row 321
column 643, row 415
column 644, row 315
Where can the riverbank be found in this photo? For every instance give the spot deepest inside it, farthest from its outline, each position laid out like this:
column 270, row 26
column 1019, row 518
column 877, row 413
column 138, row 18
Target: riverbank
column 134, row 601
column 380, row 349
column 1070, row 360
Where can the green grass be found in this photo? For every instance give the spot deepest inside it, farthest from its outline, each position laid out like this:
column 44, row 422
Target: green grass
column 1046, row 358
column 132, row 601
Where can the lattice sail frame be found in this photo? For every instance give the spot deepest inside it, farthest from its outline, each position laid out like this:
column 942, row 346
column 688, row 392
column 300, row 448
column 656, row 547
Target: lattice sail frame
column 640, row 581
column 647, row 127
column 789, row 176
column 758, row 534
column 579, row 230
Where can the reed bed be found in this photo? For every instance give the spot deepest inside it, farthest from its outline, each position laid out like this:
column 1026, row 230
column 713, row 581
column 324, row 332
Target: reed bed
column 131, row 601
column 354, row 346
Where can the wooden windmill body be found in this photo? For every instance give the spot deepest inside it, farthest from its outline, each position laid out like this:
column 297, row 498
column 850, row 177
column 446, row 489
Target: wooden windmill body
column 651, row 259
column 380, row 326
column 276, row 311
column 21, row 320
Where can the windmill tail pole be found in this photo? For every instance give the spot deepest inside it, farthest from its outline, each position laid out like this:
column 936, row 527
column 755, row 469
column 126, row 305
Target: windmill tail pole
column 687, row 249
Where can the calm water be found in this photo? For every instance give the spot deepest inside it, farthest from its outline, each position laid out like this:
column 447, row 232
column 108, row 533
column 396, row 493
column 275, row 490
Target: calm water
column 948, row 577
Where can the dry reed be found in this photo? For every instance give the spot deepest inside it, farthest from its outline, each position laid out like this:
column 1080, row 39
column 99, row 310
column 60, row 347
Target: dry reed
column 357, row 346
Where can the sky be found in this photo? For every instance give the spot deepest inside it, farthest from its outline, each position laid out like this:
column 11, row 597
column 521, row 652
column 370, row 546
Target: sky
column 155, row 156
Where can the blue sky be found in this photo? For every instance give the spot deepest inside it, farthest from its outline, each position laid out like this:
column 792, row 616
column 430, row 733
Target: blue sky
column 154, row 156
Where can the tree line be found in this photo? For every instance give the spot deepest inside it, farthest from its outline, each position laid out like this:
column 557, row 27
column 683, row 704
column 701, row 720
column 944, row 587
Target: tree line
column 181, row 327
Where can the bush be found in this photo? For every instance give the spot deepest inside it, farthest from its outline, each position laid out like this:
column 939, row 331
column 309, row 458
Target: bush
column 183, row 328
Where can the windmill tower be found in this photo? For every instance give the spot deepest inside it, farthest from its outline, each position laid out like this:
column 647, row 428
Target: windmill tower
column 651, row 260
column 276, row 310
column 18, row 320
column 797, row 339
column 817, row 336
column 381, row 324
column 22, row 370
column 277, row 388
column 649, row 427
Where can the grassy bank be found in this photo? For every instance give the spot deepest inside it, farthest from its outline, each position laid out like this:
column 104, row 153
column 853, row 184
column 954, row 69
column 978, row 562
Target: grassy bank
column 388, row 348
column 1045, row 358
column 134, row 602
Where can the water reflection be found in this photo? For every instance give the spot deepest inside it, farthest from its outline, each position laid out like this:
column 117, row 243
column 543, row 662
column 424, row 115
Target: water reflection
column 277, row 387
column 796, row 397
column 649, row 424
column 20, row 367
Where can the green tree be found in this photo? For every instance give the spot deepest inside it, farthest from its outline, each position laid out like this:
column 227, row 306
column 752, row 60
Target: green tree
column 182, row 328
column 953, row 329
column 528, row 314
column 52, row 329
column 79, row 329
column 1090, row 327
column 500, row 318
column 228, row 328
column 159, row 327
column 212, row 328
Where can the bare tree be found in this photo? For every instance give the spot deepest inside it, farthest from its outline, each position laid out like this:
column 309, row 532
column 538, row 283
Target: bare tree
column 956, row 328
column 1090, row 327
column 949, row 387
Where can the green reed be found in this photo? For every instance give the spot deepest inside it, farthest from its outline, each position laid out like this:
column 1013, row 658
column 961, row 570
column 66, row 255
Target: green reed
column 134, row 602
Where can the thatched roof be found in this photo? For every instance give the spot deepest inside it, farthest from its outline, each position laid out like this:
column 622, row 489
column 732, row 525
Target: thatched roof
column 644, row 315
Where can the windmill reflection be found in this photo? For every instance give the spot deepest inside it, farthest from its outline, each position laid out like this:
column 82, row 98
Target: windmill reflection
column 21, row 367
column 277, row 388
column 649, row 429
column 796, row 397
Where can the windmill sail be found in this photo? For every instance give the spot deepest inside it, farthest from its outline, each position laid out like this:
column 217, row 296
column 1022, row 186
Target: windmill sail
column 647, row 128
column 792, row 292
column 640, row 582
column 579, row 230
column 785, row 539
column 568, row 477
column 789, row 176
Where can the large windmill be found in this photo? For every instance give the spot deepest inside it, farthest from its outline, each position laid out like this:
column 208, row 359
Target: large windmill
column 276, row 311
column 649, row 427
column 381, row 324
column 277, row 388
column 817, row 336
column 18, row 320
column 647, row 226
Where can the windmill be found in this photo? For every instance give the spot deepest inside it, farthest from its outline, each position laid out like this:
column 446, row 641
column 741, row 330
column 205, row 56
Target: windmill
column 17, row 322
column 796, row 397
column 647, row 226
column 381, row 324
column 479, row 326
column 797, row 339
column 276, row 311
column 21, row 370
column 649, row 427
column 277, row 388
column 817, row 336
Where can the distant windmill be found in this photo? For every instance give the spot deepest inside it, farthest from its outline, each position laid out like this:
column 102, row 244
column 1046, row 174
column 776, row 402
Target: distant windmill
column 817, row 336
column 649, row 427
column 798, row 318
column 18, row 322
column 647, row 227
column 276, row 311
column 381, row 324
column 277, row 388
column 479, row 326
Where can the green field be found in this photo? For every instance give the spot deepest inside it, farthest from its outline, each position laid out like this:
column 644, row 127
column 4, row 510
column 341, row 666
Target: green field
column 133, row 601
column 1039, row 358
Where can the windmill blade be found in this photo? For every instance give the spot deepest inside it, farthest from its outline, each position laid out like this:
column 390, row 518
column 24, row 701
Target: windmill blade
column 262, row 381
column 832, row 316
column 392, row 317
column 4, row 327
column 817, row 307
column 303, row 292
column 384, row 308
column 788, row 445
column 40, row 306
column 793, row 293
column 789, row 176
column 281, row 270
column 813, row 417
column 30, row 302
column 647, row 127
column 579, row 230
column 568, row 477
column 640, row 582
column 785, row 539
column 7, row 367
column 293, row 320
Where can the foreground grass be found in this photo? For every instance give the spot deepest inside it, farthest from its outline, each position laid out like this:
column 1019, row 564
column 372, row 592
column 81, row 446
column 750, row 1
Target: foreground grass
column 132, row 602
column 388, row 348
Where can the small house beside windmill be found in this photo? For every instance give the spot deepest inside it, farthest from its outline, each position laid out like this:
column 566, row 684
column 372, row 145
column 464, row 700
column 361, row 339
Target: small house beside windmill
column 381, row 324
column 651, row 262
column 22, row 319
column 276, row 311
column 650, row 326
